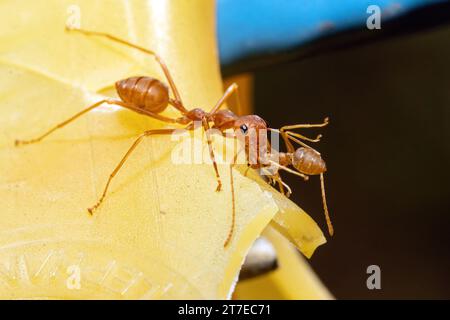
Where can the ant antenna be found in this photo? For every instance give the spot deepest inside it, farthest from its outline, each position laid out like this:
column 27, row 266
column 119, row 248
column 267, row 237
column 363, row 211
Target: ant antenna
column 233, row 212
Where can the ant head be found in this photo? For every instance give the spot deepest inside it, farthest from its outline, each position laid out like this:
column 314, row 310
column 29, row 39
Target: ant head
column 247, row 123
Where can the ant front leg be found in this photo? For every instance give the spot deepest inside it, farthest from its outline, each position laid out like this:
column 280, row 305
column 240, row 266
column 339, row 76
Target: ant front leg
column 206, row 127
column 233, row 88
column 124, row 158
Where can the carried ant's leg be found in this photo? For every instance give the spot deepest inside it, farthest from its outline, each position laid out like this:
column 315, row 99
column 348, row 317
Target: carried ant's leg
column 285, row 137
column 305, row 177
column 272, row 181
column 62, row 124
column 300, row 142
column 206, row 127
column 177, row 103
column 125, row 157
column 233, row 88
column 282, row 185
column 295, row 134
column 326, row 121
column 325, row 207
column 300, row 136
column 292, row 135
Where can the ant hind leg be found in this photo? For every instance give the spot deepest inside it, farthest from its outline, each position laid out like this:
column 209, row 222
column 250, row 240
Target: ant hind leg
column 177, row 103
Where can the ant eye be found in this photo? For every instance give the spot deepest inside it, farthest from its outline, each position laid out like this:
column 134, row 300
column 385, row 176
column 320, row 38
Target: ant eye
column 244, row 129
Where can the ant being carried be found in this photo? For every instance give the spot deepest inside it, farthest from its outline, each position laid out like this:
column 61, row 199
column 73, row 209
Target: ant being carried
column 305, row 161
column 150, row 97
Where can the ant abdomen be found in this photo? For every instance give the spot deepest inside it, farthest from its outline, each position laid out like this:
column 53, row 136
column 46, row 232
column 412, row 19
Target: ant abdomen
column 308, row 161
column 146, row 93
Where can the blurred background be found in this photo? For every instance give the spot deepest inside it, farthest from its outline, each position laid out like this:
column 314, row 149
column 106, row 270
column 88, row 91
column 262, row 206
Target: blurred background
column 387, row 93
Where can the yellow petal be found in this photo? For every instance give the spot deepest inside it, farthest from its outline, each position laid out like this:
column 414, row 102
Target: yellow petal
column 292, row 221
column 293, row 279
column 160, row 231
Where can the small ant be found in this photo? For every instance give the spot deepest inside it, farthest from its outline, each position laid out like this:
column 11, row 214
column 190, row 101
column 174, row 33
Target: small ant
column 306, row 161
column 150, row 97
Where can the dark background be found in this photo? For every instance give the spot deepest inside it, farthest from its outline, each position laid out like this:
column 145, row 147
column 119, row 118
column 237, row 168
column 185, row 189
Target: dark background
column 387, row 149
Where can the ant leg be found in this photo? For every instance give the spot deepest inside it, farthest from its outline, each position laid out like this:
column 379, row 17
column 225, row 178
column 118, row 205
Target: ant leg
column 233, row 88
column 325, row 207
column 305, row 177
column 290, row 135
column 282, row 185
column 288, row 143
column 300, row 136
column 95, row 105
column 124, row 158
column 300, row 142
column 326, row 121
column 62, row 124
column 206, row 127
column 233, row 212
column 177, row 103
column 272, row 180
column 286, row 136
column 295, row 134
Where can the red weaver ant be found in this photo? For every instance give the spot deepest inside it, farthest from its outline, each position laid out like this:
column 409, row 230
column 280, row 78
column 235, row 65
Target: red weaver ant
column 150, row 97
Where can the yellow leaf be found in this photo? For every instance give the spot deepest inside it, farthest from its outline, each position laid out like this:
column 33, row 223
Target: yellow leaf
column 160, row 231
column 293, row 279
